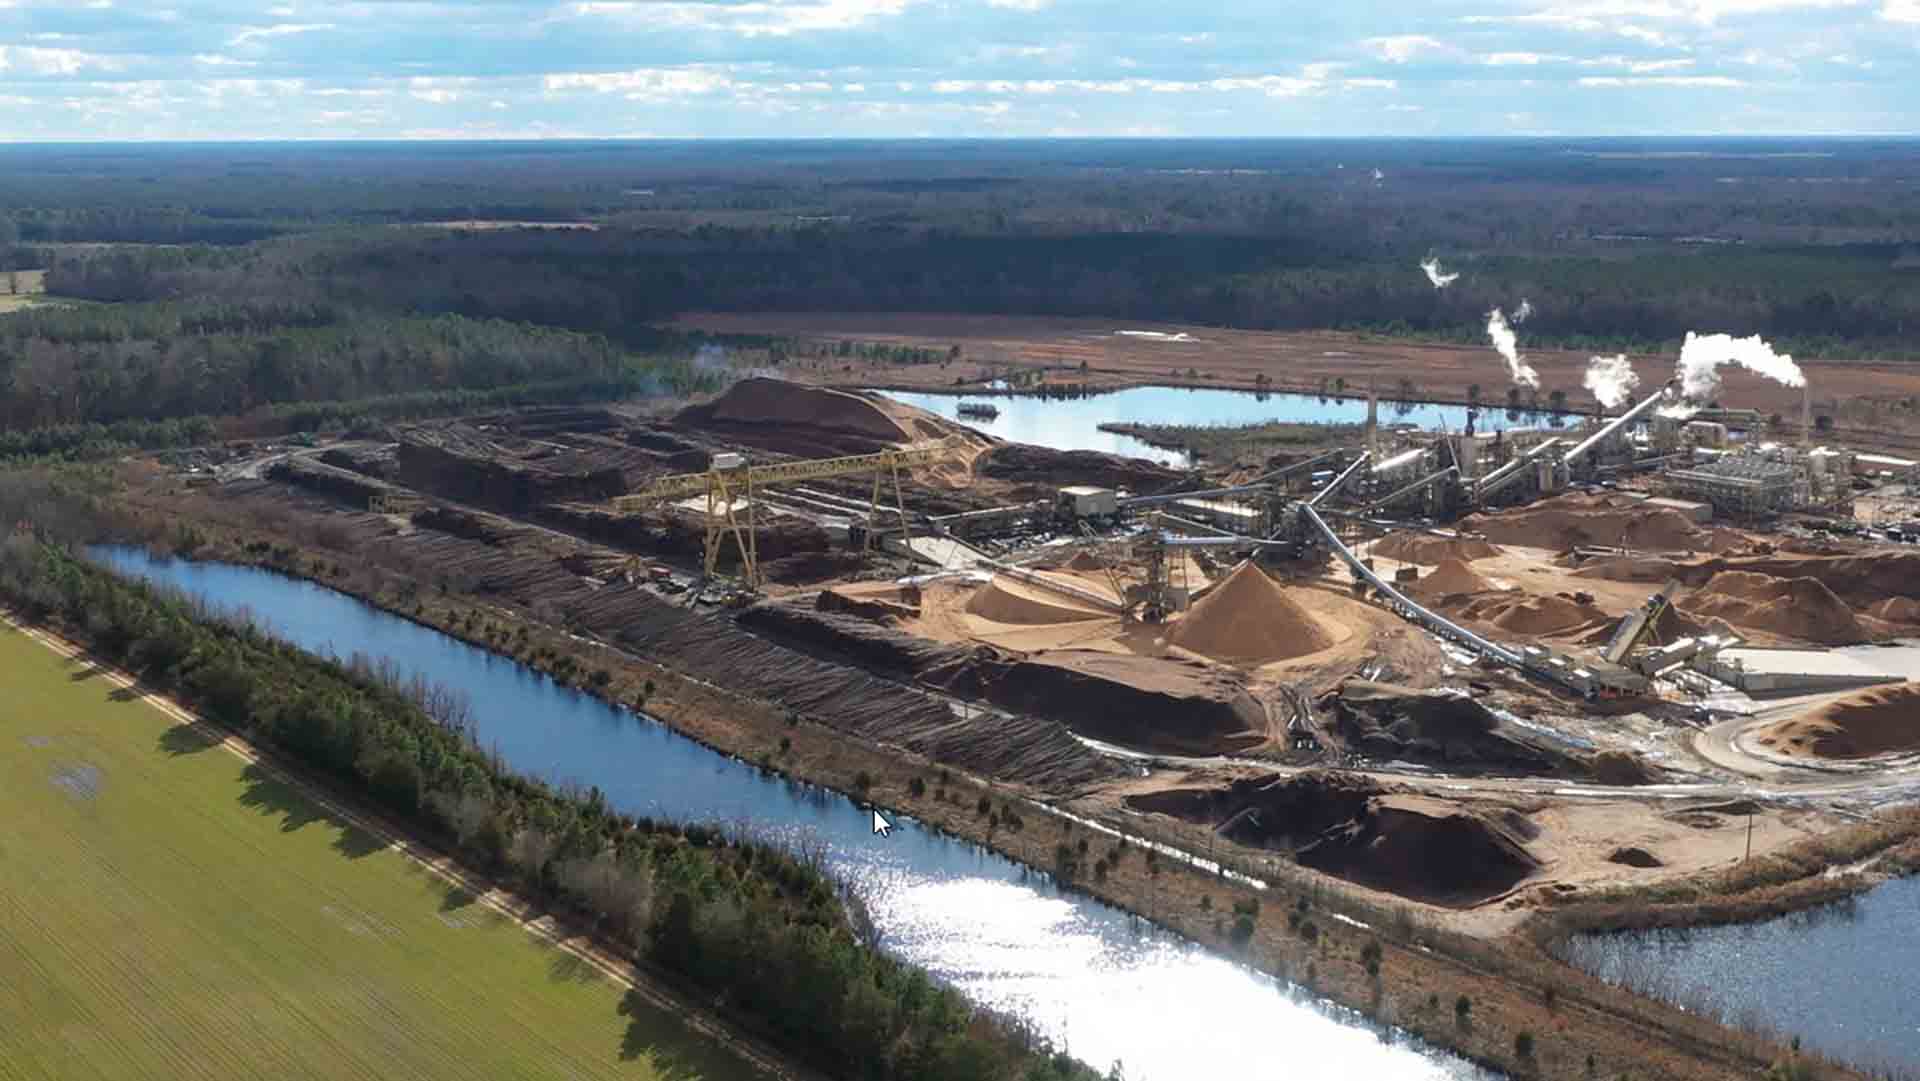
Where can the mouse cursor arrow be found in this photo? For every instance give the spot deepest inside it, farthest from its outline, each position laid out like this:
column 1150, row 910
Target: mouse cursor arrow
column 881, row 826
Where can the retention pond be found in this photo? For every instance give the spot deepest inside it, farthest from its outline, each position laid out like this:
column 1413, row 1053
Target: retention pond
column 1106, row 986
column 1074, row 423
column 1840, row 977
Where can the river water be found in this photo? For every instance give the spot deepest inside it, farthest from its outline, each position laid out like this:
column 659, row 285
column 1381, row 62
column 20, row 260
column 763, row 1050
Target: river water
column 1842, row 977
column 1106, row 986
column 1074, row 423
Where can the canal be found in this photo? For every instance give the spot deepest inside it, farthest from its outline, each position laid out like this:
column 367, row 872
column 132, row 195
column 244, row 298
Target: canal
column 1104, row 985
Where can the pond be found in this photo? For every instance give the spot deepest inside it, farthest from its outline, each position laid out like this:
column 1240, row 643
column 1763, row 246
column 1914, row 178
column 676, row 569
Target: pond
column 1841, row 977
column 1107, row 986
column 1074, row 423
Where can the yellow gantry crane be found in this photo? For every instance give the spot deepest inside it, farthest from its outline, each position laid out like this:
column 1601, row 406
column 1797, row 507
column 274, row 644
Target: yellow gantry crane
column 731, row 484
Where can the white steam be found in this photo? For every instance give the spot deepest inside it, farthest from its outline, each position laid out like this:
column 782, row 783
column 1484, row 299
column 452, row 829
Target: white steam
column 1501, row 332
column 1703, row 354
column 1611, row 379
column 1438, row 277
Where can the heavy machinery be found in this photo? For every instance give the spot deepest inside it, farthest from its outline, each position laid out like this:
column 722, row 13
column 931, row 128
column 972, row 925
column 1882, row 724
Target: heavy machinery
column 730, row 483
column 1638, row 624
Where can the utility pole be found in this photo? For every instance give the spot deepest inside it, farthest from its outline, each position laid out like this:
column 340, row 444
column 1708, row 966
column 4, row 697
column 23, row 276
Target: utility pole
column 1749, row 854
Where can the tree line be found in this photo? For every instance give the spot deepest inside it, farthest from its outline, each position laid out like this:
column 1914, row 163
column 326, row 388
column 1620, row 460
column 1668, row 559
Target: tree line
column 153, row 362
column 759, row 926
column 1310, row 273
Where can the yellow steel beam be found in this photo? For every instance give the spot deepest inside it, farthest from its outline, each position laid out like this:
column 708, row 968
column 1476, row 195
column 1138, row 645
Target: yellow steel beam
column 682, row 485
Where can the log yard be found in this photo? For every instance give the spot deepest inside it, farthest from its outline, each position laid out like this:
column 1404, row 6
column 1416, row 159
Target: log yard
column 1508, row 652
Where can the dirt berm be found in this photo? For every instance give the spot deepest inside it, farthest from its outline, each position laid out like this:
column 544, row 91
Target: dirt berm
column 1878, row 720
column 1349, row 826
column 1388, row 722
column 1153, row 703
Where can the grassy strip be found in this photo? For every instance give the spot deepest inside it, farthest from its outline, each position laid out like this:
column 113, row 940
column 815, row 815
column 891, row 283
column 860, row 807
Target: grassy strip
column 174, row 910
column 760, row 927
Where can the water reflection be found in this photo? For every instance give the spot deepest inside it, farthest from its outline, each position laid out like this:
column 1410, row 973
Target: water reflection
column 1841, row 977
column 1074, row 423
column 1109, row 986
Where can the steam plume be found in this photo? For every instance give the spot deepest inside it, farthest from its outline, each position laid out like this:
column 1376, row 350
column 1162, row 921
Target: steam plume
column 1504, row 340
column 1438, row 277
column 1703, row 354
column 1611, row 379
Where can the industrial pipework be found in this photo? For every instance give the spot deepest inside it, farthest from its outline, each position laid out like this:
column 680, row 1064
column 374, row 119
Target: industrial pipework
column 1619, row 424
column 1510, row 472
column 1406, row 490
column 1336, row 483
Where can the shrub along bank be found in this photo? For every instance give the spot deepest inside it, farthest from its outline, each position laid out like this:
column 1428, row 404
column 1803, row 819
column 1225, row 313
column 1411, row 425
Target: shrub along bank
column 761, row 929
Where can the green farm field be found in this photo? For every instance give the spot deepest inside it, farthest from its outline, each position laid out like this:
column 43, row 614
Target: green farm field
column 170, row 910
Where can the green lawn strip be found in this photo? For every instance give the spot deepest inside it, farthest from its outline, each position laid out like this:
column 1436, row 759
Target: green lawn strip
column 167, row 909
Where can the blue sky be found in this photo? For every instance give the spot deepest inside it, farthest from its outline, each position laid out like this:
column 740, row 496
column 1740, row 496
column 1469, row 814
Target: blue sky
column 275, row 69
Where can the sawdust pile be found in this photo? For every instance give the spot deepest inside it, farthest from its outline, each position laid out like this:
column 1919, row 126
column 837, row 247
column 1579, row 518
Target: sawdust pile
column 1084, row 561
column 1629, row 569
column 1802, row 608
column 1879, row 720
column 1430, row 550
column 1007, row 599
column 1530, row 615
column 1449, row 578
column 1568, row 520
column 1249, row 619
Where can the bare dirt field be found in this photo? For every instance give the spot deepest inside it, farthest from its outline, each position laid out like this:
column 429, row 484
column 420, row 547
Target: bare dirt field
column 1870, row 401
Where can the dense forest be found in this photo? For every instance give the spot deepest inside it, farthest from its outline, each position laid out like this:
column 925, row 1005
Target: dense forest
column 224, row 280
column 763, row 928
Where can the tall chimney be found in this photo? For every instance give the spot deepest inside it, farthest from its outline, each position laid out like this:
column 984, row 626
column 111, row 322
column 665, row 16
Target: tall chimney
column 1806, row 416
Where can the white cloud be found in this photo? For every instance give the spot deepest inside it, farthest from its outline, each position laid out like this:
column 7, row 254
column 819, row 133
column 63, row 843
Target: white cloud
column 1372, row 84
column 1638, row 67
column 1504, row 60
column 1400, row 48
column 641, row 83
column 37, row 60
column 444, row 90
column 752, row 18
column 256, row 33
column 1901, row 11
column 1720, row 81
column 1018, row 5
